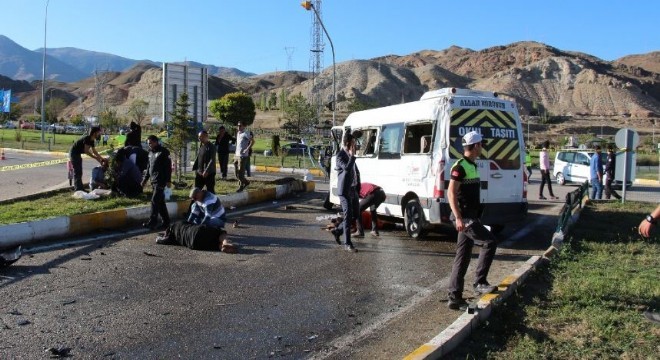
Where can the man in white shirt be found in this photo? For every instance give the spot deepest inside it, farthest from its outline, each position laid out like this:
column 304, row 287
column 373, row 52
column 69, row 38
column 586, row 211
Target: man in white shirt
column 244, row 143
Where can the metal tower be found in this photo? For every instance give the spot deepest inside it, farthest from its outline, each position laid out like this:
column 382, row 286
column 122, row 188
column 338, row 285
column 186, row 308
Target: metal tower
column 100, row 81
column 289, row 56
column 316, row 60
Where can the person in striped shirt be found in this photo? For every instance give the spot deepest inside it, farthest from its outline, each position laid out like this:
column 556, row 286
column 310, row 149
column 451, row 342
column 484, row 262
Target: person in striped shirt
column 206, row 209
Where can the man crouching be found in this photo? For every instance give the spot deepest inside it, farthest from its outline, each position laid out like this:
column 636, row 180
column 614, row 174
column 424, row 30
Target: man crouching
column 206, row 209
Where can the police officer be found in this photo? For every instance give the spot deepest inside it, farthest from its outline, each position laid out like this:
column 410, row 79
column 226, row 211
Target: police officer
column 464, row 199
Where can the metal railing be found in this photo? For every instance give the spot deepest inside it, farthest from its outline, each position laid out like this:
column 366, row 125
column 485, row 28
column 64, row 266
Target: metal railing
column 573, row 200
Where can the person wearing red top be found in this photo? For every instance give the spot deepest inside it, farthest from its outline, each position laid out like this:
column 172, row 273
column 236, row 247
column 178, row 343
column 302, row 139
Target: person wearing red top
column 371, row 197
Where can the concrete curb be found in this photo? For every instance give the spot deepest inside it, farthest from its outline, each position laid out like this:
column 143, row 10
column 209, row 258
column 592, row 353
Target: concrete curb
column 647, row 182
column 42, row 230
column 461, row 328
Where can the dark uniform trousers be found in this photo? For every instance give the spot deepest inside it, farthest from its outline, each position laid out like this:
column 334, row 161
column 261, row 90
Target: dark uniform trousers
column 76, row 162
column 474, row 234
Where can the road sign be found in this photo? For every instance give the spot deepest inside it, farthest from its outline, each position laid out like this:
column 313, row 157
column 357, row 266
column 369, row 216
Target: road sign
column 621, row 137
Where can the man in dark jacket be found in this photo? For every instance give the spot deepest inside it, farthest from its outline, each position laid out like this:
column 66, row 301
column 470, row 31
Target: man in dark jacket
column 610, row 171
column 127, row 177
column 348, row 188
column 204, row 166
column 159, row 171
column 222, row 142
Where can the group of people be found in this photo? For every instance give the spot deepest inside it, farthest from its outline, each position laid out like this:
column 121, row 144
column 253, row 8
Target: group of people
column 244, row 141
column 122, row 173
column 131, row 168
column 596, row 173
column 204, row 227
column 463, row 193
column 354, row 195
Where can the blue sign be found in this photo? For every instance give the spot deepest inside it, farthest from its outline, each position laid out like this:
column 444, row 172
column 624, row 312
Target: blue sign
column 5, row 98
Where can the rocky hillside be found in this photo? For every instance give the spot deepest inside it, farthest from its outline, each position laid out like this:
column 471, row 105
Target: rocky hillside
column 536, row 75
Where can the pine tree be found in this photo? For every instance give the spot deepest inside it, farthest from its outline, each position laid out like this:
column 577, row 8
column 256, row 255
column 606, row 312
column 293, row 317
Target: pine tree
column 181, row 133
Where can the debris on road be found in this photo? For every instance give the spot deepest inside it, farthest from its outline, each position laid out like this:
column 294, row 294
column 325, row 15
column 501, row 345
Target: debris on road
column 59, row 352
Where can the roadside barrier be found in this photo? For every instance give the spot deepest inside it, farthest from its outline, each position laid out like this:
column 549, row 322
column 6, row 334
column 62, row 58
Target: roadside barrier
column 573, row 200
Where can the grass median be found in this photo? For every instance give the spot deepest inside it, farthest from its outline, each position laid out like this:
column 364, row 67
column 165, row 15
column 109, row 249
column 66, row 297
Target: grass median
column 63, row 204
column 588, row 303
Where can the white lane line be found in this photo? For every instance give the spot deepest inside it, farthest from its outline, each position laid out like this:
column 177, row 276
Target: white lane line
column 341, row 343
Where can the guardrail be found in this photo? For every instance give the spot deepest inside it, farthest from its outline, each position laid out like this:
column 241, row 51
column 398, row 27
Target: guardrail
column 573, row 200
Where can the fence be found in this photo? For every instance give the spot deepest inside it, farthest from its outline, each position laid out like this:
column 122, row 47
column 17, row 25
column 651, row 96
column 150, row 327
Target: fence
column 573, row 200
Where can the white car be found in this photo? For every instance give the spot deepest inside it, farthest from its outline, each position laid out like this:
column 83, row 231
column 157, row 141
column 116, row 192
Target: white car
column 574, row 166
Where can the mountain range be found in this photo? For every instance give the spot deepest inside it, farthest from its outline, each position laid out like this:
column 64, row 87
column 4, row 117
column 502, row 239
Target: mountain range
column 538, row 76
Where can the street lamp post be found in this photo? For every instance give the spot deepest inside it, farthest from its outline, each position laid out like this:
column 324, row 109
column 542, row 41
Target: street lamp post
column 309, row 6
column 43, row 80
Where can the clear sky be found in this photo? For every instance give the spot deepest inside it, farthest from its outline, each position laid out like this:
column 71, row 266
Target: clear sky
column 252, row 35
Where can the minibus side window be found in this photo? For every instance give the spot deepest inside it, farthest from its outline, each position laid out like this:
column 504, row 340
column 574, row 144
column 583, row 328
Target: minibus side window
column 418, row 139
column 367, row 143
column 390, row 141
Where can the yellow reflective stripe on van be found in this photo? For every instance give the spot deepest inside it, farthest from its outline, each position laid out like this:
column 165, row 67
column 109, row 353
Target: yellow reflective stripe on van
column 482, row 117
column 497, row 149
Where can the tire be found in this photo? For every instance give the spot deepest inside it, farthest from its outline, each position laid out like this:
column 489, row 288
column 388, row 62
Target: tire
column 414, row 220
column 560, row 179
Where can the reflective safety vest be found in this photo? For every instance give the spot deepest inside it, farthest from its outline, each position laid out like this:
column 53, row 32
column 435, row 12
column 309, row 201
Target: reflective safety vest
column 470, row 190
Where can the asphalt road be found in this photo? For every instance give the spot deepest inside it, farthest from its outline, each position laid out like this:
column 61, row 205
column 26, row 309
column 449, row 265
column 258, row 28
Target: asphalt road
column 22, row 182
column 290, row 292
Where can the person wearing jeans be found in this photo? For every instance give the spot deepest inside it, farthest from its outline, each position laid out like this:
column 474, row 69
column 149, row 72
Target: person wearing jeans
column 244, row 143
column 596, row 170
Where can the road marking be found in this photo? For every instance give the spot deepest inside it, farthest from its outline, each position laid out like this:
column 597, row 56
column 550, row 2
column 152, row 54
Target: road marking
column 32, row 165
column 343, row 342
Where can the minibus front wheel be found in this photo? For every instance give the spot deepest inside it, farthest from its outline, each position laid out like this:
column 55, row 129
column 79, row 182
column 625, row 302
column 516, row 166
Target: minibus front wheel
column 414, row 220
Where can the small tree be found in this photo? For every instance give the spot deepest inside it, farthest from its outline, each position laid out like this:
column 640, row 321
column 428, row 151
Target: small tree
column 180, row 134
column 77, row 120
column 14, row 113
column 234, row 107
column 275, row 144
column 272, row 101
column 54, row 108
column 299, row 114
column 109, row 119
column 138, row 111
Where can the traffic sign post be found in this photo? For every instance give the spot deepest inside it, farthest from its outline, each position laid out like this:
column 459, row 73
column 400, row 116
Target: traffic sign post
column 627, row 139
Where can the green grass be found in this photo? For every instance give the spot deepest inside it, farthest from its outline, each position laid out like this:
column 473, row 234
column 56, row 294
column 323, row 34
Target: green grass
column 63, row 204
column 589, row 302
column 645, row 173
column 31, row 140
